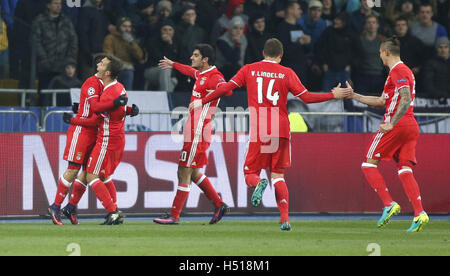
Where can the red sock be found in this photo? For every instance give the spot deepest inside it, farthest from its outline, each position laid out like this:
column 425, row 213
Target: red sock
column 63, row 188
column 77, row 192
column 112, row 189
column 376, row 181
column 252, row 180
column 412, row 189
column 205, row 185
column 103, row 195
column 179, row 200
column 282, row 197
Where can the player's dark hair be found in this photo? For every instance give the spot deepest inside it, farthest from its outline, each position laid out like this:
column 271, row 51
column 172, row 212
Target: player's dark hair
column 392, row 44
column 98, row 58
column 273, row 48
column 207, row 51
column 115, row 66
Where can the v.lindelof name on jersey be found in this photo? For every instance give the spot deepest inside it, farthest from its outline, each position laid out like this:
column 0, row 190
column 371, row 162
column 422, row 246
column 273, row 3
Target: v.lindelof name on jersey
column 268, row 75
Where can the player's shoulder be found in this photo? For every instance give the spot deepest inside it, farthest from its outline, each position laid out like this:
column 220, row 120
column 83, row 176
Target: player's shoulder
column 115, row 88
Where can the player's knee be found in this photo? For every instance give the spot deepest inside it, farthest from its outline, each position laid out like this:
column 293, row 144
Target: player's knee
column 404, row 164
column 91, row 178
column 184, row 175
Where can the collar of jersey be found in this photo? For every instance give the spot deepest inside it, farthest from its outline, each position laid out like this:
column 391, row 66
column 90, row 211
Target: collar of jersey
column 206, row 71
column 396, row 64
column 265, row 60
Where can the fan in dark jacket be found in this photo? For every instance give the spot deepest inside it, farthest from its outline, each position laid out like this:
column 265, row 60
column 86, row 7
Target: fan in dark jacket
column 256, row 38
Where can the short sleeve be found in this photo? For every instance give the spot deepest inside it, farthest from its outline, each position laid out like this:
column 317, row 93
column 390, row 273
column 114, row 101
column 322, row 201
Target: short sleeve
column 295, row 86
column 400, row 79
column 239, row 78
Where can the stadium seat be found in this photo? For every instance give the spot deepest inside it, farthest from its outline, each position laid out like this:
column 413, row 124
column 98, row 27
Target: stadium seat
column 19, row 122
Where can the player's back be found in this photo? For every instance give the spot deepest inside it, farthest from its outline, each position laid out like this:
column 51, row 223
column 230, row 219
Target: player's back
column 92, row 87
column 268, row 84
column 112, row 125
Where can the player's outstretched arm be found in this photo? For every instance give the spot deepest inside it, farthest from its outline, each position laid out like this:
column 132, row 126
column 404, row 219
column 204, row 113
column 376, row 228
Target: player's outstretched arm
column 369, row 100
column 222, row 90
column 166, row 64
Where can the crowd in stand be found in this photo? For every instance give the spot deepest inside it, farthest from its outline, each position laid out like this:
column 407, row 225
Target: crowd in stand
column 325, row 41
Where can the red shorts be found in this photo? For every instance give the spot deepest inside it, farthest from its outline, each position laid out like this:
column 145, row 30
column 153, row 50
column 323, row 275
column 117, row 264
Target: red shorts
column 103, row 161
column 398, row 144
column 274, row 154
column 193, row 155
column 79, row 144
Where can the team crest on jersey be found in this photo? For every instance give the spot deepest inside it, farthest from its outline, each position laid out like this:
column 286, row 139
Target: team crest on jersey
column 202, row 82
column 79, row 154
column 91, row 91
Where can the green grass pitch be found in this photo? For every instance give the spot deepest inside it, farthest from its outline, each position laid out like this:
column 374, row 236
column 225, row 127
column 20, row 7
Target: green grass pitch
column 228, row 238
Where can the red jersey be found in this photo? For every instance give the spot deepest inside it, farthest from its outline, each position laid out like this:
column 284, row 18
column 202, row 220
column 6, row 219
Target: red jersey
column 400, row 76
column 90, row 90
column 205, row 82
column 111, row 129
column 268, row 84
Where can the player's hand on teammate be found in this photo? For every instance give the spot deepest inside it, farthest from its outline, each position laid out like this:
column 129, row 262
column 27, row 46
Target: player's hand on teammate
column 195, row 104
column 121, row 101
column 75, row 107
column 134, row 110
column 67, row 117
column 385, row 127
column 341, row 93
column 165, row 63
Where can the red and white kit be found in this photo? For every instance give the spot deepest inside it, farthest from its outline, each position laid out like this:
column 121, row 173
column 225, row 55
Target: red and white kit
column 197, row 130
column 82, row 134
column 108, row 149
column 268, row 84
column 400, row 142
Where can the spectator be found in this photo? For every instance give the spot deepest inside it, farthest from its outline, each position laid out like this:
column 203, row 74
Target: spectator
column 65, row 80
column 231, row 48
column 234, row 8
column 124, row 46
column 256, row 38
column 312, row 23
column 402, row 8
column 413, row 54
column 92, row 30
column 56, row 41
column 146, row 24
column 163, row 10
column 257, row 7
column 436, row 81
column 208, row 12
column 427, row 30
column 296, row 43
column 189, row 33
column 358, row 17
column 4, row 53
column 20, row 41
column 369, row 76
column 179, row 7
column 337, row 48
column 163, row 45
column 328, row 11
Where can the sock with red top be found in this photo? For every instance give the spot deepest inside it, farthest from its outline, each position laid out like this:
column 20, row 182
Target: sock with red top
column 282, row 198
column 63, row 188
column 377, row 182
column 252, row 180
column 411, row 189
column 109, row 183
column 179, row 200
column 103, row 195
column 77, row 192
column 205, row 185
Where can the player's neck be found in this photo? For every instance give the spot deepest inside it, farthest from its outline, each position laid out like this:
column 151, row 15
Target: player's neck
column 107, row 81
column 277, row 60
column 393, row 61
column 204, row 68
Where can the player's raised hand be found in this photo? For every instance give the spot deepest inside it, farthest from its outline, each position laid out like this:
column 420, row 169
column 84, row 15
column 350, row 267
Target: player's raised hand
column 195, row 104
column 165, row 63
column 353, row 92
